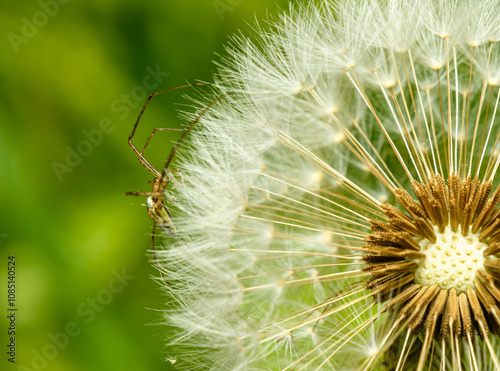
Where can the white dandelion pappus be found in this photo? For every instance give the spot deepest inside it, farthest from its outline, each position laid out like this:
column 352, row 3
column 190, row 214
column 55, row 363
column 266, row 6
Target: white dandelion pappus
column 339, row 209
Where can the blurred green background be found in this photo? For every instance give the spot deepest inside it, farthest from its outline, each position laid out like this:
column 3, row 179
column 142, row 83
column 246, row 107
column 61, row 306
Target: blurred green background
column 73, row 72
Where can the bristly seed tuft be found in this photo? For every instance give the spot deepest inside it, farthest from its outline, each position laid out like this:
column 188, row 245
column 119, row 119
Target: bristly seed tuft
column 435, row 262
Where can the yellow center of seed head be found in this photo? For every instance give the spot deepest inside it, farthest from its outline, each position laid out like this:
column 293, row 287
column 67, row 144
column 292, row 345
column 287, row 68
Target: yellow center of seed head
column 451, row 262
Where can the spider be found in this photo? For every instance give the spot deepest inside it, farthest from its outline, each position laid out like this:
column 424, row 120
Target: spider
column 157, row 209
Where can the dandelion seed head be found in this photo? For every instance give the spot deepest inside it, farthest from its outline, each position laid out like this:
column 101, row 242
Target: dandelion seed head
column 338, row 206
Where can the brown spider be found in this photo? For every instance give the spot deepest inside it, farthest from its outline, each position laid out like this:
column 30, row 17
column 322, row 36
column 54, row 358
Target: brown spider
column 155, row 203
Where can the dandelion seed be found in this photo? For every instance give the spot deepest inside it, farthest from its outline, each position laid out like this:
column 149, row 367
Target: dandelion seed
column 339, row 210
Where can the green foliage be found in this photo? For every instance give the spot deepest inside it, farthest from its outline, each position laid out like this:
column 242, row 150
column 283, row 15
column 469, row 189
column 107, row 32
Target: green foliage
column 67, row 219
